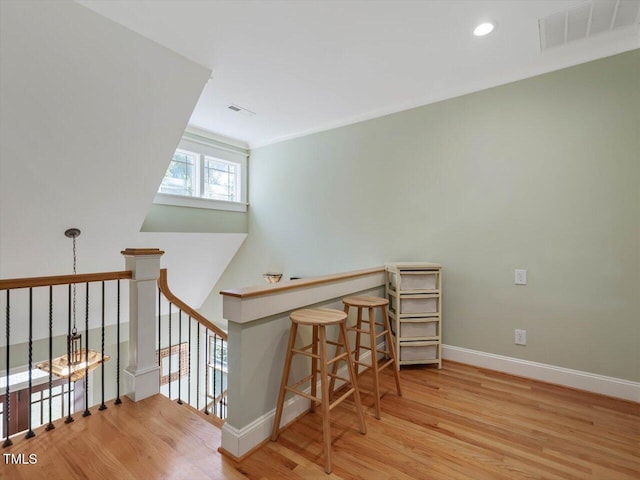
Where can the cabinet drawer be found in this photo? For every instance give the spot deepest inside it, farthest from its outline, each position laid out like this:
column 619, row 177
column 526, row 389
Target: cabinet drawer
column 418, row 329
column 410, row 352
column 411, row 281
column 415, row 304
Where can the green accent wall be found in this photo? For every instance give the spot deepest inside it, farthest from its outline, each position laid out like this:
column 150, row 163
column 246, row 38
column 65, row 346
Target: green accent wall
column 167, row 218
column 541, row 174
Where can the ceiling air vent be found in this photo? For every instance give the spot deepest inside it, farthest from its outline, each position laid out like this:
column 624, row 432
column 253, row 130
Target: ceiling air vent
column 239, row 109
column 587, row 20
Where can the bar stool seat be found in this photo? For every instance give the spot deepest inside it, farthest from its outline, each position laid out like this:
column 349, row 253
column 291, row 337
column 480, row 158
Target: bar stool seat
column 365, row 301
column 371, row 303
column 319, row 319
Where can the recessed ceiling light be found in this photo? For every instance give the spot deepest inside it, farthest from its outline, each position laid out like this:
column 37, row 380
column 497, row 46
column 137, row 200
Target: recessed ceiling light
column 484, row 29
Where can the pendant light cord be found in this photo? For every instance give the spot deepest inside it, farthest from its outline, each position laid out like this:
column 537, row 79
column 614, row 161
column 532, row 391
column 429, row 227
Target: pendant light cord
column 75, row 330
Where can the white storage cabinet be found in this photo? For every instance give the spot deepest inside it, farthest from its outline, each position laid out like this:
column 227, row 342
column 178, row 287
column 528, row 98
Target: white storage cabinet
column 414, row 290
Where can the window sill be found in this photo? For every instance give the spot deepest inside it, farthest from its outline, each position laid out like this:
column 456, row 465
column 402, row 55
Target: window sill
column 196, row 202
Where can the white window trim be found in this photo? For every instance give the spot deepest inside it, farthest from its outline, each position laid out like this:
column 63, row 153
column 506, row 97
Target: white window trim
column 198, row 202
column 212, row 148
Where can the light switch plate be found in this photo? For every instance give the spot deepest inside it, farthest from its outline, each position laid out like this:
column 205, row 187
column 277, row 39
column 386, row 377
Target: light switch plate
column 521, row 277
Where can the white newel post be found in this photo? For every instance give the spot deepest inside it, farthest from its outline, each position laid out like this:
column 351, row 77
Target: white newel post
column 142, row 376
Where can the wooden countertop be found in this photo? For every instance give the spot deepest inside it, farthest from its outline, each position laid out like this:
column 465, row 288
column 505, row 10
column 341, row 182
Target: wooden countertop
column 268, row 289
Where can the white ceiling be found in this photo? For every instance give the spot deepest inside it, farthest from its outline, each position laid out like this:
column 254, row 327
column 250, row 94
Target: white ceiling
column 309, row 65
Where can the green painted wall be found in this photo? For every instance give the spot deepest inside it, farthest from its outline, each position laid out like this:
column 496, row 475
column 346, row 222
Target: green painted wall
column 541, row 174
column 167, row 218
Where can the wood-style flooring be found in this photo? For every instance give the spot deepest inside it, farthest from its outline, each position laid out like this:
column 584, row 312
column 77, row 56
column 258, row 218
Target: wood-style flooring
column 459, row 422
column 152, row 439
column 462, row 422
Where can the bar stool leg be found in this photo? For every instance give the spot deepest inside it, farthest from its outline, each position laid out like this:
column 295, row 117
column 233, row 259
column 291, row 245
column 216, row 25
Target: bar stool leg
column 326, row 425
column 392, row 349
column 285, row 378
column 354, row 380
column 334, row 369
column 374, row 360
column 358, row 327
column 338, row 351
column 314, row 368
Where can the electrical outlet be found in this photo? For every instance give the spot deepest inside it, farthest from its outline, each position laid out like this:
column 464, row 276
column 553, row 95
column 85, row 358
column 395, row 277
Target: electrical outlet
column 520, row 337
column 521, row 277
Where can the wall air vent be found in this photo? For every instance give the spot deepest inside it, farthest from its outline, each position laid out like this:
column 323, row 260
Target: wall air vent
column 589, row 19
column 244, row 111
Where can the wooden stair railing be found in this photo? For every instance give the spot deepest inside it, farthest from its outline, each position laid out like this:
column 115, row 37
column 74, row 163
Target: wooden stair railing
column 33, row 282
column 46, row 373
column 209, row 370
column 166, row 291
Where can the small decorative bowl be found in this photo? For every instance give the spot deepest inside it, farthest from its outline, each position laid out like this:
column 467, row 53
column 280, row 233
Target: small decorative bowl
column 272, row 277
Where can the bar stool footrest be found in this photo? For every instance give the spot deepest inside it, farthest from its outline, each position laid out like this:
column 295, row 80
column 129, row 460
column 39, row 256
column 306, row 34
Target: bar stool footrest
column 303, row 394
column 357, row 362
column 386, row 364
column 358, row 330
column 305, row 353
column 338, row 377
column 342, row 397
column 300, row 382
column 342, row 356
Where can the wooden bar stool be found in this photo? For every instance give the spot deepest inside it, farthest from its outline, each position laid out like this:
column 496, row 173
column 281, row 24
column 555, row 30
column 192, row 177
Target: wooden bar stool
column 371, row 303
column 319, row 319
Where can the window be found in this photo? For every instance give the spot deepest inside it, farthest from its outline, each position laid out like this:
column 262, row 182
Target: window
column 180, row 178
column 205, row 174
column 37, row 410
column 217, row 353
column 220, row 179
column 217, row 376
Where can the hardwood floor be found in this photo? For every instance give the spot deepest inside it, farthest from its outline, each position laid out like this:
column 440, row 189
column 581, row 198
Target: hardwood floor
column 461, row 422
column 456, row 423
column 151, row 439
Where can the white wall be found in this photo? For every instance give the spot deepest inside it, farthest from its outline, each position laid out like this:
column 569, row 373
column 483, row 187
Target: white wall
column 90, row 114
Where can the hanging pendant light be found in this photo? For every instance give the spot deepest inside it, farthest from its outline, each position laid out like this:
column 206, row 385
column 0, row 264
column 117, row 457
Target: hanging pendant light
column 78, row 361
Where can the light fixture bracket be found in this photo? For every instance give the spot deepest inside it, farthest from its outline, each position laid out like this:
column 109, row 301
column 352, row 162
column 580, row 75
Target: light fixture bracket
column 72, row 232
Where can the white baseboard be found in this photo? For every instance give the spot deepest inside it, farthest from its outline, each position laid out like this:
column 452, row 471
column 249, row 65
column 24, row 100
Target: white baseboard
column 591, row 382
column 238, row 442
